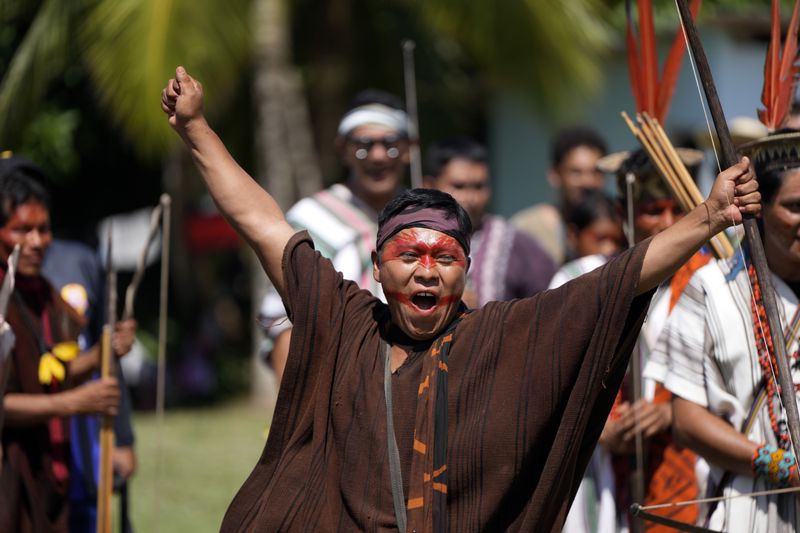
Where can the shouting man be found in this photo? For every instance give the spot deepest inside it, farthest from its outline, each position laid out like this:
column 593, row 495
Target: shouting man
column 415, row 414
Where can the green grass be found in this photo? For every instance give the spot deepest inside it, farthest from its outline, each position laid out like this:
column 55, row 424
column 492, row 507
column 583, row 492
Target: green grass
column 206, row 454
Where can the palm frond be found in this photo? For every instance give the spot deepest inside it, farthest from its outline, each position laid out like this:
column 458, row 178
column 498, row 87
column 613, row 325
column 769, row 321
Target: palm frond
column 11, row 10
column 547, row 49
column 131, row 48
column 41, row 57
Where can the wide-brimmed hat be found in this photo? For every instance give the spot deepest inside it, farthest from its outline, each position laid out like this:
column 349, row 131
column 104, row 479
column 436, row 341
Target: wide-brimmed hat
column 743, row 130
column 614, row 163
column 775, row 152
column 648, row 182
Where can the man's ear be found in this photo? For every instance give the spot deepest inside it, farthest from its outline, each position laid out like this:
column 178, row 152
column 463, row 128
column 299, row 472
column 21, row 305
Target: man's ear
column 376, row 268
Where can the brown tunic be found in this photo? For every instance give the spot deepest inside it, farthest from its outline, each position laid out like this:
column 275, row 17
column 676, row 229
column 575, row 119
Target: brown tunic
column 530, row 382
column 32, row 497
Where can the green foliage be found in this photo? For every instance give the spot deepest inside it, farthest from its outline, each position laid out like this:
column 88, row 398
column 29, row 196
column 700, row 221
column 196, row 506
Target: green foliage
column 547, row 50
column 42, row 54
column 49, row 140
column 131, row 47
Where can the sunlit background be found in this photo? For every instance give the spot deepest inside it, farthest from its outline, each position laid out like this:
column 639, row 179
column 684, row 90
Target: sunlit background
column 79, row 95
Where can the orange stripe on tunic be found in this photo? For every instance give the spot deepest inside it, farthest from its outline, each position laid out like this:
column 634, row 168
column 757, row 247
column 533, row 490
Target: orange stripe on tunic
column 415, row 503
column 424, row 385
column 420, row 447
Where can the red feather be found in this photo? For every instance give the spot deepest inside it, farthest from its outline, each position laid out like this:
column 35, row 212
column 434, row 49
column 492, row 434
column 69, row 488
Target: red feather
column 649, row 55
column 633, row 63
column 672, row 67
column 771, row 70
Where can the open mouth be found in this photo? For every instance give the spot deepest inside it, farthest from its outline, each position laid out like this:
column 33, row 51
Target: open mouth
column 424, row 300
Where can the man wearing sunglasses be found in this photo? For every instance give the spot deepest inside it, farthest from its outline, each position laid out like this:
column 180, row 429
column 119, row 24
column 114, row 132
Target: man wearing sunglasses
column 373, row 141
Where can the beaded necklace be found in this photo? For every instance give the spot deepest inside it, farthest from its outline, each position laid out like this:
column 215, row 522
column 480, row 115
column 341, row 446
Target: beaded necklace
column 766, row 358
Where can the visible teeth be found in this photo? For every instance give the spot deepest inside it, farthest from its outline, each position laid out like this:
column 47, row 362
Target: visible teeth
column 425, row 294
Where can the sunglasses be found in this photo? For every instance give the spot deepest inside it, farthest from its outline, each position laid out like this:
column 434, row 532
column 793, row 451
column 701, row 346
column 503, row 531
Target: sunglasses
column 390, row 143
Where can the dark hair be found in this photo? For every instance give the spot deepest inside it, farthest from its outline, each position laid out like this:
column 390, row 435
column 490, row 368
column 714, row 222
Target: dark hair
column 568, row 139
column 594, row 205
column 446, row 150
column 770, row 181
column 375, row 96
column 429, row 198
column 638, row 162
column 20, row 183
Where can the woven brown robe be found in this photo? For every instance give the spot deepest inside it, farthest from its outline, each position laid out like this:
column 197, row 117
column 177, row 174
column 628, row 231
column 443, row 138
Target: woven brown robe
column 530, row 383
column 32, row 498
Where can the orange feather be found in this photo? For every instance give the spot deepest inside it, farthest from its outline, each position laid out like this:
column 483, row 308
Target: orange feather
column 652, row 95
column 787, row 79
column 771, row 70
column 649, row 54
column 633, row 61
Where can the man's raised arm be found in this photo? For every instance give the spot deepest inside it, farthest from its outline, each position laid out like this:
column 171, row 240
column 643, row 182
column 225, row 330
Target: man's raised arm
column 734, row 194
column 251, row 210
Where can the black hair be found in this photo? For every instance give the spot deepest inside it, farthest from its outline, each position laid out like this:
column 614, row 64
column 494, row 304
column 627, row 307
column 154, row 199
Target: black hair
column 20, row 182
column 769, row 182
column 446, row 150
column 638, row 162
column 568, row 139
column 430, row 198
column 375, row 96
column 594, row 205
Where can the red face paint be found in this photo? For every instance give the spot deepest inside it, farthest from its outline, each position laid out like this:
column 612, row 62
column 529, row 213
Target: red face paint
column 406, row 300
column 410, row 246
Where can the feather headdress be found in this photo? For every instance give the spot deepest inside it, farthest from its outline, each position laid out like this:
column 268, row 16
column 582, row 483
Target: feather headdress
column 652, row 94
column 780, row 69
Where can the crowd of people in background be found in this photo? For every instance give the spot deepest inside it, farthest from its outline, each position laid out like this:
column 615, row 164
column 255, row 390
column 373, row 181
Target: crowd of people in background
column 657, row 436
column 542, row 246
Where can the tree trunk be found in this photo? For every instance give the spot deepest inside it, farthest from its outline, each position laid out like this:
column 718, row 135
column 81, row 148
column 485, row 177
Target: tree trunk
column 285, row 160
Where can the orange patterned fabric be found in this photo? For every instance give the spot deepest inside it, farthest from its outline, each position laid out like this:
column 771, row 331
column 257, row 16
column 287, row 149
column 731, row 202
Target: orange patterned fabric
column 669, row 469
column 681, row 278
column 427, row 494
column 670, row 475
